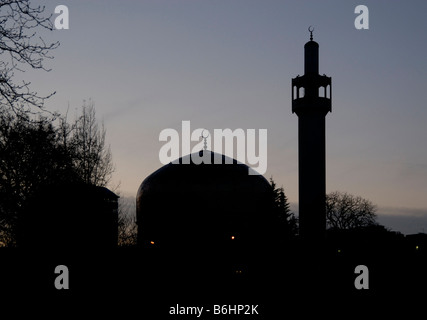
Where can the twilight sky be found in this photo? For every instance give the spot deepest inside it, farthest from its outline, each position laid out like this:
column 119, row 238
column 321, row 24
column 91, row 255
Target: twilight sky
column 149, row 65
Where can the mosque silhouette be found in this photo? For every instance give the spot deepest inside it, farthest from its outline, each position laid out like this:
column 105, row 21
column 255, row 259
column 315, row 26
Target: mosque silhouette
column 211, row 225
column 208, row 206
column 186, row 206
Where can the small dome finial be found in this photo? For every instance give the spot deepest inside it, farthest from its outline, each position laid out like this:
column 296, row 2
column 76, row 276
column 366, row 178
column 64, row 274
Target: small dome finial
column 311, row 29
column 205, row 147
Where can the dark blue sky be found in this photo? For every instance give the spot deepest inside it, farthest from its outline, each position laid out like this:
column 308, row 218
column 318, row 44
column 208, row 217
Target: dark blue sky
column 148, row 65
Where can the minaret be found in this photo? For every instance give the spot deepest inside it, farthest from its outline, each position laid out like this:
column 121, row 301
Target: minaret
column 311, row 101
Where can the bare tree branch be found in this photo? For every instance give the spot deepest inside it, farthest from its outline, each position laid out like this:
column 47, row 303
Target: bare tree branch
column 20, row 48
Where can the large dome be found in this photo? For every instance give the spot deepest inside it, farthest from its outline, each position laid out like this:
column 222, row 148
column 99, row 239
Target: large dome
column 204, row 205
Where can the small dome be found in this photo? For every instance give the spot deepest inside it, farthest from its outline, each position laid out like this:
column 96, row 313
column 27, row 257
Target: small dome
column 209, row 205
column 311, row 43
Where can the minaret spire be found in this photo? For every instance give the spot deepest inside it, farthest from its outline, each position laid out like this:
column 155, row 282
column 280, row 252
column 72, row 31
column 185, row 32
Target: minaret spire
column 311, row 29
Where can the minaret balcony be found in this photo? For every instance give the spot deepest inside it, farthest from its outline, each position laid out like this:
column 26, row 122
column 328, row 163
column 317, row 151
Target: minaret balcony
column 311, row 105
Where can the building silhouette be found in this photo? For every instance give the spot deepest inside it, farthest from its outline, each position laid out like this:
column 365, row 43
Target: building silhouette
column 311, row 101
column 70, row 217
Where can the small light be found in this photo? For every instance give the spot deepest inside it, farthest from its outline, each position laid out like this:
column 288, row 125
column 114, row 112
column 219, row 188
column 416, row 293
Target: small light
column 416, row 247
column 339, row 250
column 232, row 237
column 152, row 242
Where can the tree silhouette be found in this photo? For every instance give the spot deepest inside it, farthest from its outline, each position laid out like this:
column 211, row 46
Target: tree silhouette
column 30, row 157
column 345, row 211
column 127, row 227
column 35, row 153
column 85, row 140
column 21, row 48
column 283, row 213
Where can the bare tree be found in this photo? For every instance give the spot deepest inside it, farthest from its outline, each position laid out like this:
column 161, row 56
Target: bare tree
column 21, row 47
column 345, row 211
column 91, row 157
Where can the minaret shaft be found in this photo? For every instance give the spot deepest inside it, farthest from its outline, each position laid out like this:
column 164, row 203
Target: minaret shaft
column 312, row 175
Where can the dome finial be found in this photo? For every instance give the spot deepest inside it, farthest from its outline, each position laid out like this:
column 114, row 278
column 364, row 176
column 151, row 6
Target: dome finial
column 311, row 29
column 205, row 147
